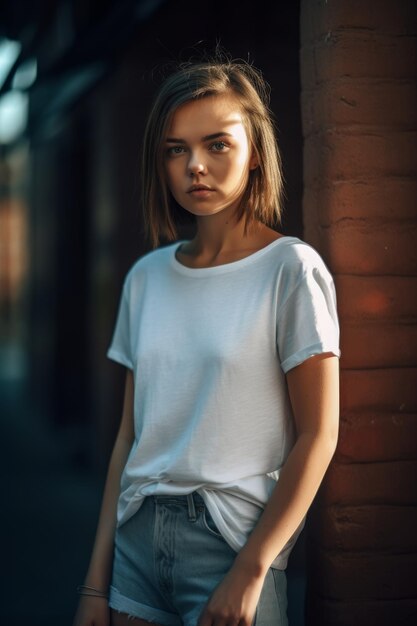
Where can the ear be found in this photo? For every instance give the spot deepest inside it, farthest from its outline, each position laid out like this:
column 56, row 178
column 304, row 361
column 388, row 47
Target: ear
column 253, row 161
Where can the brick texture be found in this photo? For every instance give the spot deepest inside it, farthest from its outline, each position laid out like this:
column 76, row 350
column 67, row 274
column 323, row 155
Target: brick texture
column 359, row 110
column 379, row 345
column 339, row 55
column 387, row 389
column 371, row 483
column 377, row 436
column 343, row 528
column 370, row 612
column 321, row 17
column 365, row 105
column 355, row 155
column 362, row 247
column 367, row 574
column 393, row 200
column 377, row 298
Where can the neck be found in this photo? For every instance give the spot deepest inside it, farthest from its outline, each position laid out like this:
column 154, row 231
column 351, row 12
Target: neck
column 219, row 233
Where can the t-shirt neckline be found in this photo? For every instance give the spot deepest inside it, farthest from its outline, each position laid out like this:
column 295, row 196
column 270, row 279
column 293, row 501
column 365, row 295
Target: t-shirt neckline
column 224, row 267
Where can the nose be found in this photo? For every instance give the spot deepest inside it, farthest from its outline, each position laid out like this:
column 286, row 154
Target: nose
column 196, row 165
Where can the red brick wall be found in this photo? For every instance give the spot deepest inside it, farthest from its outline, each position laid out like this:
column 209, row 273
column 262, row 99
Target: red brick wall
column 359, row 107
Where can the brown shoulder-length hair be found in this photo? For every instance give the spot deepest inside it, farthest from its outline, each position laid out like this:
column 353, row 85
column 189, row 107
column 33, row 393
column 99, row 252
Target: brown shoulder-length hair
column 262, row 197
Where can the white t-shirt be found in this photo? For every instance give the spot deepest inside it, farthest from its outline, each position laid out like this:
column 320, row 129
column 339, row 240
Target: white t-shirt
column 209, row 349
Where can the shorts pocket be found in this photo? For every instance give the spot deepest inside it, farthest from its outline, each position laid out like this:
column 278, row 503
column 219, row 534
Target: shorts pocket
column 209, row 523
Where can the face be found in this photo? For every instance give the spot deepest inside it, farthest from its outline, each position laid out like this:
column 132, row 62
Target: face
column 208, row 155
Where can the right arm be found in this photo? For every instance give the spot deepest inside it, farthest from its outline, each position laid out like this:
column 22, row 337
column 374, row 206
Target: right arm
column 93, row 611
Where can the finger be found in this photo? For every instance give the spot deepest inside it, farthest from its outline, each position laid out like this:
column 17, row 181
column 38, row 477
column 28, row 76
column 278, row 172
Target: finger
column 246, row 621
column 211, row 619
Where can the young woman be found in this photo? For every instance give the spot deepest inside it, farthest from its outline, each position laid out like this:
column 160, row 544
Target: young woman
column 230, row 341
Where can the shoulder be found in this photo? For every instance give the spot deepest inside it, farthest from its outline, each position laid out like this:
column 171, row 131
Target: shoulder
column 151, row 261
column 154, row 259
column 300, row 268
column 295, row 255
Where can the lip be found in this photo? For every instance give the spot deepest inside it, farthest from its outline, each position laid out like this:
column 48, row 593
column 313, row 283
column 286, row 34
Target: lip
column 201, row 194
column 199, row 188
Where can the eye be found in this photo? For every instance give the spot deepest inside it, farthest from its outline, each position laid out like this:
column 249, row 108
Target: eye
column 218, row 146
column 175, row 150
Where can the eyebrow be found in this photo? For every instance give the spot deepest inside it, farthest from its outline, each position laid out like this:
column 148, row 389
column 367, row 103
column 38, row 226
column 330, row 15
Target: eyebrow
column 206, row 138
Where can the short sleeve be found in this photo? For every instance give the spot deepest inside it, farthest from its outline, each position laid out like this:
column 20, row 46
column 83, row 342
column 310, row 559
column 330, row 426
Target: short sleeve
column 307, row 322
column 119, row 349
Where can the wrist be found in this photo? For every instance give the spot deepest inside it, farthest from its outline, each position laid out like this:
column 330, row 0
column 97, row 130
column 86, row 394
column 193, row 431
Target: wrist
column 94, row 592
column 98, row 579
column 252, row 567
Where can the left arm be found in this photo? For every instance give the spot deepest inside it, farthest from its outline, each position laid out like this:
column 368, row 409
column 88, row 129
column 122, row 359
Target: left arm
column 314, row 393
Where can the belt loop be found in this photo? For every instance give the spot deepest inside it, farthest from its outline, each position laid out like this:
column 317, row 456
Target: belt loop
column 191, row 508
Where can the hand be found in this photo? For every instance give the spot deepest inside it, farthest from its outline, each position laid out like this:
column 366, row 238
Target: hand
column 92, row 611
column 234, row 601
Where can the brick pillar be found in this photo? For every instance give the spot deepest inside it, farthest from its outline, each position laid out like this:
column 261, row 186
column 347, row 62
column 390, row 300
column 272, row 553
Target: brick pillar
column 359, row 108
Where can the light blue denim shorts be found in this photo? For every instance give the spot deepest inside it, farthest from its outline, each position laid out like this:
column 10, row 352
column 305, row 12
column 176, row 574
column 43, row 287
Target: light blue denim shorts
column 169, row 557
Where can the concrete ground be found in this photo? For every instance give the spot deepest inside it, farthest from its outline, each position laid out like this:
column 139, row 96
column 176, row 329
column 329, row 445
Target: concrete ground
column 49, row 515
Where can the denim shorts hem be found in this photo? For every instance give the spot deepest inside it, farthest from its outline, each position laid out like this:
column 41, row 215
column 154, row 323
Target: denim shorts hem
column 121, row 603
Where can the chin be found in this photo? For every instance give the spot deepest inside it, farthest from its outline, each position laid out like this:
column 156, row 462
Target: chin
column 204, row 211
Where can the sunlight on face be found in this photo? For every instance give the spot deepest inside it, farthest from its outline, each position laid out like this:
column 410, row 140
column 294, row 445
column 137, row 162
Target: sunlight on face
column 207, row 155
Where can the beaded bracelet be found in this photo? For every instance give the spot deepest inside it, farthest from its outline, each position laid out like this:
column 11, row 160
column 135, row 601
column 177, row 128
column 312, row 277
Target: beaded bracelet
column 96, row 592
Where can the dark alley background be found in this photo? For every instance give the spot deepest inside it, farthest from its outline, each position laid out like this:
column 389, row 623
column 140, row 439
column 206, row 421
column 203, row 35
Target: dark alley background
column 76, row 82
